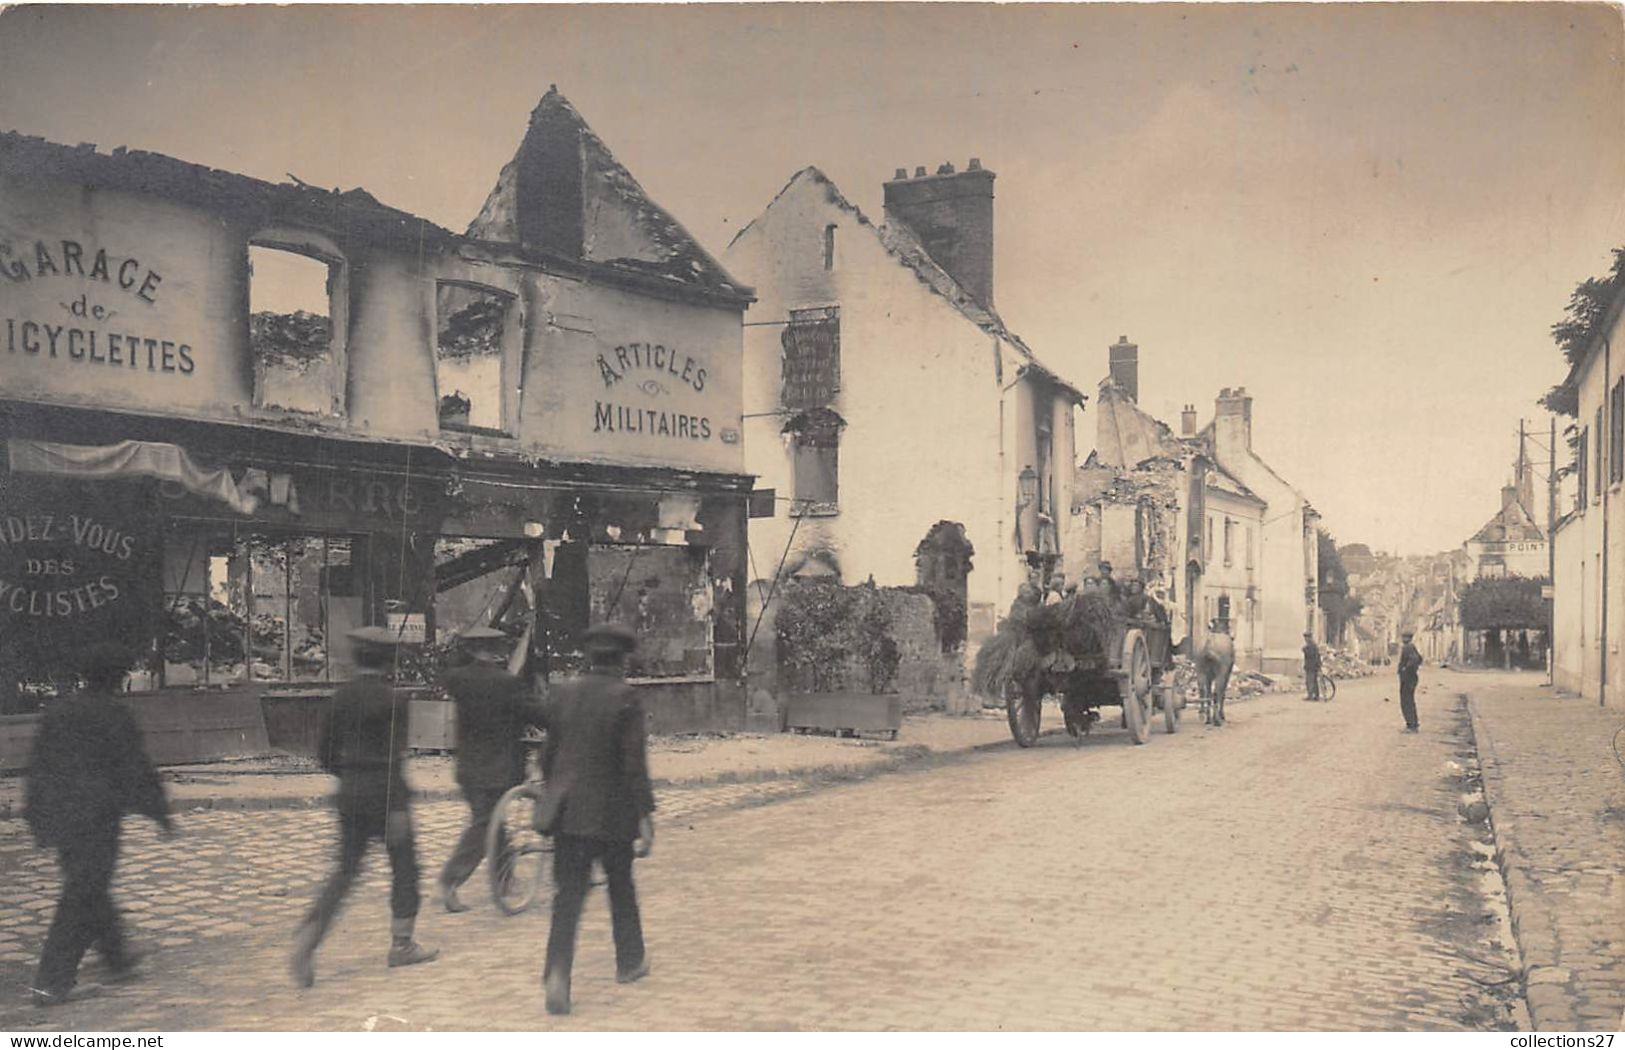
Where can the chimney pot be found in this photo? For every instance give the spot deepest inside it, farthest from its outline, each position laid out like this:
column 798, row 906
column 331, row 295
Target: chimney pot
column 902, row 173
column 953, row 218
column 974, row 165
column 919, row 172
column 945, row 168
column 1187, row 421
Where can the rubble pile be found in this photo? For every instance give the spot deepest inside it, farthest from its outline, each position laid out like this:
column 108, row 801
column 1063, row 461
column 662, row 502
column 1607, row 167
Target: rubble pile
column 1340, row 663
column 1243, row 684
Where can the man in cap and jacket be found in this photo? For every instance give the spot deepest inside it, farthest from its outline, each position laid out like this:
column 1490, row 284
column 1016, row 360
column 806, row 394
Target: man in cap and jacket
column 363, row 743
column 493, row 707
column 1311, row 666
column 1410, row 669
column 89, row 767
column 597, row 767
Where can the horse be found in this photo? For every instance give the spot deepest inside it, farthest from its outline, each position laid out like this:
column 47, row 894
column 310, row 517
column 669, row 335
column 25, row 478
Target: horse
column 1214, row 662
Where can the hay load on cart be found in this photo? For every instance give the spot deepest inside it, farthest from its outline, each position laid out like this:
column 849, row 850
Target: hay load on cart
column 1092, row 650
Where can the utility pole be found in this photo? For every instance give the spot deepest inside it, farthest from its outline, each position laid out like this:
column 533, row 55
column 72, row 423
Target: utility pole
column 1551, row 554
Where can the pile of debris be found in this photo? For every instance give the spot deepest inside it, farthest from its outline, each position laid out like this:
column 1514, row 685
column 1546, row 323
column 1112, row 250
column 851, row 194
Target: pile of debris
column 1340, row 663
column 1243, row 684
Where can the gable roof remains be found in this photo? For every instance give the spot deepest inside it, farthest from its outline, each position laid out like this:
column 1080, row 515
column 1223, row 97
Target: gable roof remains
column 903, row 245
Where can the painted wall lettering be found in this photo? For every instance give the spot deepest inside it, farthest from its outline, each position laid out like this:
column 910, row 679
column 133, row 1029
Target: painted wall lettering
column 66, row 258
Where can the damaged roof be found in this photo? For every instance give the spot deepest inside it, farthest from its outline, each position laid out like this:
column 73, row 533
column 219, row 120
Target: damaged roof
column 1511, row 523
column 348, row 215
column 563, row 192
column 902, row 244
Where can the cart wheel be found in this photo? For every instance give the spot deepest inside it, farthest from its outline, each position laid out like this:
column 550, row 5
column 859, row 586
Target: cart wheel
column 1135, row 686
column 1023, row 706
column 1170, row 708
column 516, row 855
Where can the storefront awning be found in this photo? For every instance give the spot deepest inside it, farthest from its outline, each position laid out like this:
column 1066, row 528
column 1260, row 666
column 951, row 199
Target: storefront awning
column 129, row 459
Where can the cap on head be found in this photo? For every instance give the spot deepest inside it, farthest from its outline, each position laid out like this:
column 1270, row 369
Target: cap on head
column 1407, row 635
column 609, row 638
column 1106, row 566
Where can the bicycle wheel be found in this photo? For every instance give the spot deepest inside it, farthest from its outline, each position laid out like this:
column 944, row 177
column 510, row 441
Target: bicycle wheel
column 1328, row 687
column 517, row 856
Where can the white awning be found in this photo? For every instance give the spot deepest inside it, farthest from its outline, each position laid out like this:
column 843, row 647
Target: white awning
column 130, row 459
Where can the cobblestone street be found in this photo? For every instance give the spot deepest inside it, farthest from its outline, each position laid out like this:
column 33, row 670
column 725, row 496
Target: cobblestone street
column 1302, row 868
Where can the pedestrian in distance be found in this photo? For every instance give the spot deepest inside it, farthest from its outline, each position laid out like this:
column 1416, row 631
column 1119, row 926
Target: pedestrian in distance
column 1410, row 668
column 1311, row 666
column 597, row 768
column 88, row 768
column 493, row 707
column 363, row 743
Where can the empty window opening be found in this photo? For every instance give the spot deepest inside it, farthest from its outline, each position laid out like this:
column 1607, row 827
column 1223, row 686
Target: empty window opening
column 290, row 330
column 815, row 450
column 829, row 246
column 472, row 331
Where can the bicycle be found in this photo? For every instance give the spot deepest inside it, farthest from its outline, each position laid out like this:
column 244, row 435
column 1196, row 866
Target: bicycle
column 518, row 856
column 1327, row 687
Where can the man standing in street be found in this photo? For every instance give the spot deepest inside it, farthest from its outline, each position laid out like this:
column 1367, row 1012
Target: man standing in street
column 1410, row 666
column 89, row 767
column 363, row 743
column 597, row 767
column 1311, row 666
column 493, row 708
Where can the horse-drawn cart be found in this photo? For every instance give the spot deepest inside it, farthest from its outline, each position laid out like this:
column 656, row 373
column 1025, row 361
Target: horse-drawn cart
column 1090, row 651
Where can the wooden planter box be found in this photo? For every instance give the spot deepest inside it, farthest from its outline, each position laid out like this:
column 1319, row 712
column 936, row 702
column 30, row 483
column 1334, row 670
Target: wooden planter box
column 845, row 712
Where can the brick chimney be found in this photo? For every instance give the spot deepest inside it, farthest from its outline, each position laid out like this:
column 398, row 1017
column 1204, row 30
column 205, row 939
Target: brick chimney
column 1232, row 422
column 1509, row 496
column 1187, row 421
column 1124, row 358
column 952, row 215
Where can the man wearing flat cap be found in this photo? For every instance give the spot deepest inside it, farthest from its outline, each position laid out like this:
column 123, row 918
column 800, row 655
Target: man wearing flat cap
column 597, row 767
column 89, row 767
column 1410, row 669
column 363, row 743
column 493, row 708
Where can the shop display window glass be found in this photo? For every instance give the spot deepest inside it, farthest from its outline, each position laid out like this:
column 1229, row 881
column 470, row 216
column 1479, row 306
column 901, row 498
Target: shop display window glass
column 472, row 333
column 663, row 594
column 291, row 330
column 259, row 608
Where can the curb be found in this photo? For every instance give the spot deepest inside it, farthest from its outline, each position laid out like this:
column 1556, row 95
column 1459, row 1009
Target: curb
column 894, row 760
column 1543, row 981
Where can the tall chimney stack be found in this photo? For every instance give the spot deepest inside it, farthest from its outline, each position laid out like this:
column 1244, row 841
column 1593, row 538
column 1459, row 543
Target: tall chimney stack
column 1124, row 359
column 952, row 215
column 1187, row 421
column 1233, row 422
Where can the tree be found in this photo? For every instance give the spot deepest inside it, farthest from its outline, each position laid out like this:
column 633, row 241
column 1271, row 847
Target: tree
column 1336, row 604
column 1504, row 603
column 1581, row 325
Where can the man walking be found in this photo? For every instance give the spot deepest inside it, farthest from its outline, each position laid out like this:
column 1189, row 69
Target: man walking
column 1410, row 666
column 1311, row 666
column 597, row 767
column 493, row 708
column 363, row 743
column 89, row 767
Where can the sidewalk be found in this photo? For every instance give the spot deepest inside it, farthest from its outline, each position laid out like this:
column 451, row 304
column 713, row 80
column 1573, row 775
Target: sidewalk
column 675, row 763
column 1557, row 803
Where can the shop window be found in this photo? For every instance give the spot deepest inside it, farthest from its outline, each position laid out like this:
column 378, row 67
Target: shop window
column 259, row 608
column 1616, row 432
column 814, row 438
column 291, row 329
column 472, row 331
column 663, row 594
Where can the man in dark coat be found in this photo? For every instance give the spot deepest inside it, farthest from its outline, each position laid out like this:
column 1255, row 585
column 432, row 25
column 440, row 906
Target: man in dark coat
column 1311, row 666
column 493, row 707
column 89, row 767
column 1410, row 669
column 363, row 743
column 597, row 766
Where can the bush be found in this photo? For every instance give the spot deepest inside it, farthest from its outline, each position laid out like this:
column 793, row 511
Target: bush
column 833, row 638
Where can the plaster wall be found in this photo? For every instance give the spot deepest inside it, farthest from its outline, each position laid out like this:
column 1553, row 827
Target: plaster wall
column 928, row 437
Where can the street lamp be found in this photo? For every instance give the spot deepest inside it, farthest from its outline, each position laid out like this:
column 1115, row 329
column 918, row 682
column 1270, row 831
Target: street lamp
column 1026, row 487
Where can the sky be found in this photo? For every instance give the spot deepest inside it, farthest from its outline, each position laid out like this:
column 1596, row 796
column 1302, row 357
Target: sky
column 1369, row 215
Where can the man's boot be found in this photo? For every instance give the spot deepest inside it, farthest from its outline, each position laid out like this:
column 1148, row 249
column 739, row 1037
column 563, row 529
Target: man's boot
column 556, row 986
column 403, row 950
column 303, row 963
column 449, row 898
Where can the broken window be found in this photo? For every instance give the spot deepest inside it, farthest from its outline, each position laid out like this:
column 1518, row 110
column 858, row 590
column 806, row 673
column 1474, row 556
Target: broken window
column 815, row 449
column 663, row 594
column 472, row 332
column 812, row 358
column 291, row 330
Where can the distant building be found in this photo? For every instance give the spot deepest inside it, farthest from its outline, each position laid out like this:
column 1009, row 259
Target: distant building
column 907, row 434
column 1169, row 510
